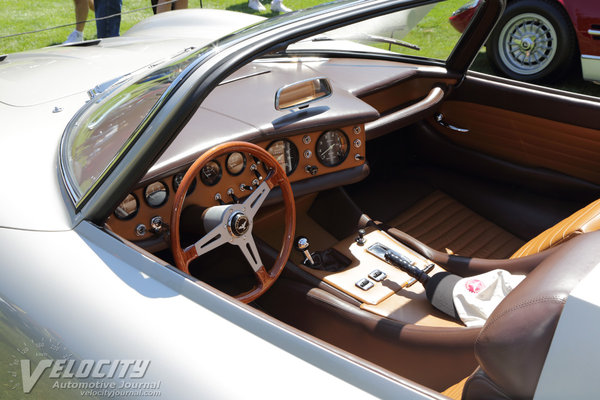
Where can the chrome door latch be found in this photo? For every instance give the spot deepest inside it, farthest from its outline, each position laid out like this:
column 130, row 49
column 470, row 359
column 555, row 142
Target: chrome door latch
column 439, row 118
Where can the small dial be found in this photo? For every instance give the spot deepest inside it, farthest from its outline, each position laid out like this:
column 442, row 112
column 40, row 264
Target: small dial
column 156, row 194
column 286, row 154
column 210, row 175
column 235, row 163
column 128, row 208
column 332, row 148
column 177, row 181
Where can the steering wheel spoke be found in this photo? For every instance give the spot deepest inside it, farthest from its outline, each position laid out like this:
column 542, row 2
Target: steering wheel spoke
column 213, row 239
column 250, row 251
column 257, row 198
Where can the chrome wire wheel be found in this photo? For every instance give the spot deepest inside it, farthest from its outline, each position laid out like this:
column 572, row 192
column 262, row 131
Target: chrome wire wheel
column 527, row 44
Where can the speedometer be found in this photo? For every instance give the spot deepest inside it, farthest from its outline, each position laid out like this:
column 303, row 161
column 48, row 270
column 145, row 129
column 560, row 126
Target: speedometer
column 286, row 154
column 332, row 148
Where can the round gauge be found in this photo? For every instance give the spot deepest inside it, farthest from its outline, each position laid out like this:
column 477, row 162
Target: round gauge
column 128, row 207
column 156, row 194
column 210, row 175
column 332, row 148
column 235, row 163
column 177, row 181
column 286, row 154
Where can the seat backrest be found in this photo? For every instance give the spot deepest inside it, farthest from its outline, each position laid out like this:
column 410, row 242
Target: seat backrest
column 585, row 220
column 512, row 346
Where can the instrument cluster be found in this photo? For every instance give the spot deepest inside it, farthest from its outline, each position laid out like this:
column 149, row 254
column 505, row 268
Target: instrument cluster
column 145, row 213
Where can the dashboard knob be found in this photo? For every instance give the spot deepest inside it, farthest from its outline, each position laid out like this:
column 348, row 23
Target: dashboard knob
column 311, row 169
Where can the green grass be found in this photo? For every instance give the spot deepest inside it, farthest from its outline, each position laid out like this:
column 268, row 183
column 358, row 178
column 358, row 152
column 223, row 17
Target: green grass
column 17, row 16
column 433, row 34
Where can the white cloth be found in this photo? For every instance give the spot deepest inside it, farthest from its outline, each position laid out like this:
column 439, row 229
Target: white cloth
column 477, row 296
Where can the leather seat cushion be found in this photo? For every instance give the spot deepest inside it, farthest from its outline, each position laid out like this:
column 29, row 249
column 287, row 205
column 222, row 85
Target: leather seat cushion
column 585, row 220
column 443, row 223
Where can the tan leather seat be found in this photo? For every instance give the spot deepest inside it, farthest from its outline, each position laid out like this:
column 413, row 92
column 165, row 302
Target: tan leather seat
column 585, row 220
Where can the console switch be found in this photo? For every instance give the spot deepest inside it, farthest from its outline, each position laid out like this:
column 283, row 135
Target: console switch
column 377, row 275
column 364, row 284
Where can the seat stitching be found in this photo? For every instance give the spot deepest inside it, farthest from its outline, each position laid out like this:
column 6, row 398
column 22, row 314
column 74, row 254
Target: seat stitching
column 492, row 321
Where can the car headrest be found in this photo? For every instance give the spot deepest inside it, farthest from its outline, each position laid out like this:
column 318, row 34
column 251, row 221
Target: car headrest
column 512, row 346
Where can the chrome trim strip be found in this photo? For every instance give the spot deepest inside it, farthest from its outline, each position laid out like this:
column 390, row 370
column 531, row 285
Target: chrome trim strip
column 239, row 78
column 588, row 57
column 594, row 32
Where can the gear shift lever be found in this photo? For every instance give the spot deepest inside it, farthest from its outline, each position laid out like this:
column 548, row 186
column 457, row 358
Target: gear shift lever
column 302, row 245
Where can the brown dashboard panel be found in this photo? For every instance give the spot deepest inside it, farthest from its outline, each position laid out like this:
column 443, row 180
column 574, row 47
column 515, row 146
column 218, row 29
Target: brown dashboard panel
column 219, row 183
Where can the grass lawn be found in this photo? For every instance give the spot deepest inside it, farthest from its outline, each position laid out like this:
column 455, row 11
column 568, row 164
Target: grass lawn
column 433, row 33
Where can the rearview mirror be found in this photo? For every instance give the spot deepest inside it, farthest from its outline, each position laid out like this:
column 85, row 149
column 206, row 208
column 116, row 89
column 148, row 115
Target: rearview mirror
column 302, row 93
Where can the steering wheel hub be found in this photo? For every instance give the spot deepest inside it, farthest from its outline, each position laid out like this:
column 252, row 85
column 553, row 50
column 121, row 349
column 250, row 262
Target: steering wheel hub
column 238, row 224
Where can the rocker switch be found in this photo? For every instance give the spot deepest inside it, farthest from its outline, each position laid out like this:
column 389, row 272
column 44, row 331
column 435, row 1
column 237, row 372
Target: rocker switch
column 364, row 284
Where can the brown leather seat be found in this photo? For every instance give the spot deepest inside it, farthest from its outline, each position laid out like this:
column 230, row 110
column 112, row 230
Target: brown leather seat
column 512, row 346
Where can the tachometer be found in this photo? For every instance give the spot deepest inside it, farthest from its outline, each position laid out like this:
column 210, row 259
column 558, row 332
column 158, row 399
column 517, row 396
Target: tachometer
column 332, row 148
column 286, row 154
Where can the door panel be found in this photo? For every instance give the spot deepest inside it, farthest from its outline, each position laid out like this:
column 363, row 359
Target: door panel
column 536, row 129
column 524, row 139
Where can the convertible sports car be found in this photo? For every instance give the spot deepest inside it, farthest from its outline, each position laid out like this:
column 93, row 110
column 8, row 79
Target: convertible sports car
column 190, row 212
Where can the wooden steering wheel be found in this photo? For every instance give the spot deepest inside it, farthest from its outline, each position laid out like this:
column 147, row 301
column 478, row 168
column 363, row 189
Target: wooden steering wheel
column 232, row 223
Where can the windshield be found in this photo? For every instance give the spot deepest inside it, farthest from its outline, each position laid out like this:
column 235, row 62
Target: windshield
column 100, row 132
column 424, row 32
column 110, row 122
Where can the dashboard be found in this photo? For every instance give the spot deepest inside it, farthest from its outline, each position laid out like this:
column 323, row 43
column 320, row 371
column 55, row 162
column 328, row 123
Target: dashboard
column 145, row 212
column 318, row 147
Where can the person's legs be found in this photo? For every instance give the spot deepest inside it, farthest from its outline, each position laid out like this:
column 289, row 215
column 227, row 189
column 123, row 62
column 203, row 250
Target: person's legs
column 277, row 6
column 256, row 5
column 81, row 14
column 181, row 4
column 163, row 6
column 108, row 27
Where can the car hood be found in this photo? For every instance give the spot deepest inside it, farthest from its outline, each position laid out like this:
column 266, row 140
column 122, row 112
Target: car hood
column 39, row 76
column 41, row 91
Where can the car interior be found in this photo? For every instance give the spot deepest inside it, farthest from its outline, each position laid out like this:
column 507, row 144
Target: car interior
column 459, row 175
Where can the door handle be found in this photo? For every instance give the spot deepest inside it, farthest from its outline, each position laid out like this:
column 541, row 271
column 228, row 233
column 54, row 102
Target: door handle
column 439, row 118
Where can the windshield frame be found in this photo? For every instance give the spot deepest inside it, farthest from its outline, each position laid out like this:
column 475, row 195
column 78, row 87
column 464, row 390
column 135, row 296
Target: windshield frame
column 221, row 59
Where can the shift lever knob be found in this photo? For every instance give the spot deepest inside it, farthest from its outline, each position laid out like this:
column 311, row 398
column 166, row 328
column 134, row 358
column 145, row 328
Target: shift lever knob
column 302, row 245
column 360, row 239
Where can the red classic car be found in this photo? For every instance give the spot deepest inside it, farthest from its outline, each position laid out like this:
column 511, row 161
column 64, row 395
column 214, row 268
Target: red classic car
column 539, row 39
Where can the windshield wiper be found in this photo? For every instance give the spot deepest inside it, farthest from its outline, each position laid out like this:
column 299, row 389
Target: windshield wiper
column 367, row 37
